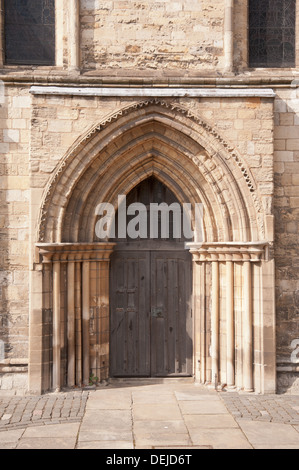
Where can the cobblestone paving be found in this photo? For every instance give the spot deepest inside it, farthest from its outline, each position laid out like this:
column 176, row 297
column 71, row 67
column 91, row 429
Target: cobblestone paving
column 19, row 412
column 271, row 408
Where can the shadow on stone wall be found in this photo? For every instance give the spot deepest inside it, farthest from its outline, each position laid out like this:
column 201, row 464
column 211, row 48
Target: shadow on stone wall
column 286, row 211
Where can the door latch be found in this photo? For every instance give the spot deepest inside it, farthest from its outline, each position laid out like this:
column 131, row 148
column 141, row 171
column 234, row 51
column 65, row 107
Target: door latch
column 157, row 312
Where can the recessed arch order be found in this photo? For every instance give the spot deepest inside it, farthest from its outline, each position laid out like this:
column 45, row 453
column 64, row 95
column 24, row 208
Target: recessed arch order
column 152, row 137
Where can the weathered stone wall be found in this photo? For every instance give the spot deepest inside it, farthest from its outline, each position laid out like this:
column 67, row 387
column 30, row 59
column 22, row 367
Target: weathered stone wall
column 152, row 35
column 152, row 39
column 286, row 207
column 15, row 115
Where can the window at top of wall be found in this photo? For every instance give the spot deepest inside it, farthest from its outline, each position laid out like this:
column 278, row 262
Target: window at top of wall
column 29, row 32
column 272, row 25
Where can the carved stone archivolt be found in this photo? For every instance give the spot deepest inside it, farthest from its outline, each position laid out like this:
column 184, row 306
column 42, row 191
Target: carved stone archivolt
column 208, row 137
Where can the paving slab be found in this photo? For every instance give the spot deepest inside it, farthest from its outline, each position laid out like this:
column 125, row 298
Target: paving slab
column 185, row 448
column 103, row 435
column 210, row 421
column 169, row 441
column 203, row 407
column 10, row 437
column 280, row 447
column 159, row 432
column 148, row 397
column 264, row 433
column 113, row 445
column 153, row 427
column 198, row 395
column 109, row 400
column 156, row 412
column 115, row 425
column 47, row 444
column 8, row 445
column 67, row 430
column 106, row 419
column 220, row 438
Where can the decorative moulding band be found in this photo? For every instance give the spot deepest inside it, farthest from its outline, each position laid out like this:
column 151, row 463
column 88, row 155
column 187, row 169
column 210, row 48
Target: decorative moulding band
column 229, row 251
column 206, row 252
column 67, row 252
column 155, row 92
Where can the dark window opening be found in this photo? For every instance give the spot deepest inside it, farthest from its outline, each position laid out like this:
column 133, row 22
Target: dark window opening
column 29, row 32
column 272, row 25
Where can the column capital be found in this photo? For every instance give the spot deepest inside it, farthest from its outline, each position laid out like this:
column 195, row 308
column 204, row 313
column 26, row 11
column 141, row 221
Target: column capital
column 70, row 252
column 228, row 251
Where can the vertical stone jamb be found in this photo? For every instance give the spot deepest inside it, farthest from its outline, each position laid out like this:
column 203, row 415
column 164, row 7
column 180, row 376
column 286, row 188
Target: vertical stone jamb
column 71, row 323
column 268, row 326
column 203, row 333
column 104, row 321
column 74, row 34
column 35, row 331
column 230, row 324
column 78, row 320
column 247, row 328
column 197, row 320
column 215, row 322
column 85, row 321
column 229, row 35
column 59, row 32
column 56, row 327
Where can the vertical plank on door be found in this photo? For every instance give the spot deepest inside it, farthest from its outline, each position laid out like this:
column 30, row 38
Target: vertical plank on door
column 130, row 305
column 171, row 322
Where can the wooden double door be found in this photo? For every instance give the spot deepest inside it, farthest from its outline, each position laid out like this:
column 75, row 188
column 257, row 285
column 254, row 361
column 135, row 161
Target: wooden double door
column 151, row 315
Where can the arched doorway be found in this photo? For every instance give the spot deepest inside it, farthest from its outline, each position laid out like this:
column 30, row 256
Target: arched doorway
column 232, row 270
column 150, row 295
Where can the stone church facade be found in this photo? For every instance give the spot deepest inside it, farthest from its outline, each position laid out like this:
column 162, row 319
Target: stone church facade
column 97, row 99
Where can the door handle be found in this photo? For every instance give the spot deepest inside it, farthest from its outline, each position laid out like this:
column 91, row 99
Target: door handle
column 157, row 312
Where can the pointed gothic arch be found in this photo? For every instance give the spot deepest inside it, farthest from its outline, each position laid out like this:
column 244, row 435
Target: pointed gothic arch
column 144, row 130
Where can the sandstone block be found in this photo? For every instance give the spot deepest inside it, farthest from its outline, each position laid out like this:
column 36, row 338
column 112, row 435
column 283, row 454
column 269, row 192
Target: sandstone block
column 21, row 101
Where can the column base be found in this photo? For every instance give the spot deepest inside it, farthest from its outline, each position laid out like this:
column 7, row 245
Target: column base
column 231, row 387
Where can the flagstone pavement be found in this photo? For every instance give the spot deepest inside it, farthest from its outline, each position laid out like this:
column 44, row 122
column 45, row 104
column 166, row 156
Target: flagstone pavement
column 172, row 414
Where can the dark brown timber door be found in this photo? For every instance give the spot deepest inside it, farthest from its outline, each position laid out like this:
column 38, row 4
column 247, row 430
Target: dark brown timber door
column 151, row 317
column 130, row 314
column 150, row 298
column 171, row 323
